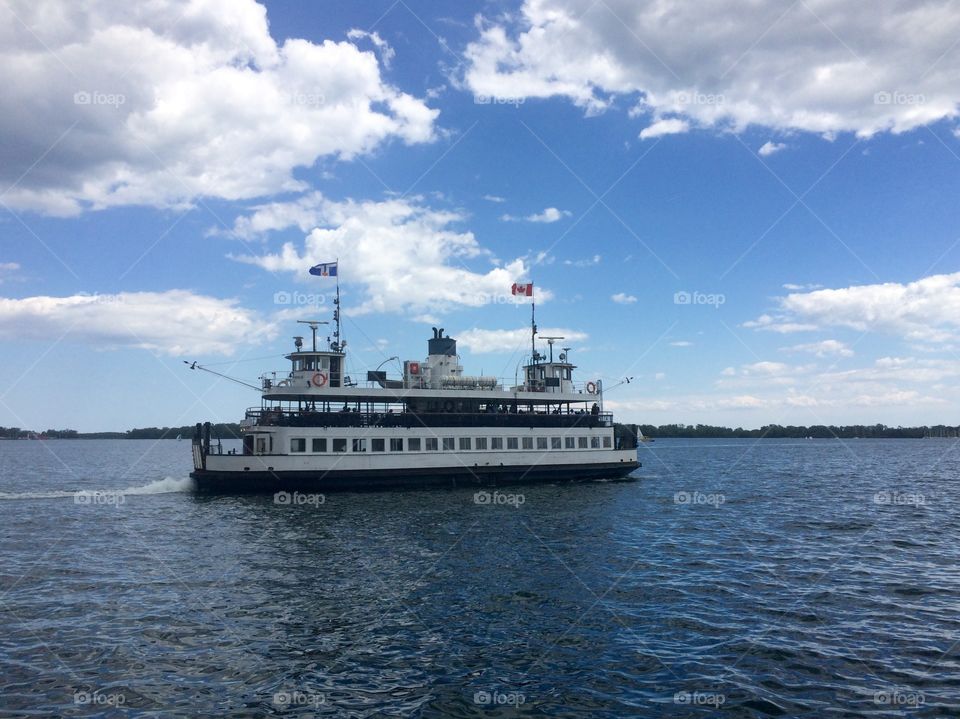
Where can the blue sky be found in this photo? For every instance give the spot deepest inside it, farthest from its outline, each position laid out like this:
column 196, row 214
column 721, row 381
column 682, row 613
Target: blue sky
column 169, row 171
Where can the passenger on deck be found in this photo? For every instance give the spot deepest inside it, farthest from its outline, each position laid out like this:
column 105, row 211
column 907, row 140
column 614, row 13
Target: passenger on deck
column 595, row 410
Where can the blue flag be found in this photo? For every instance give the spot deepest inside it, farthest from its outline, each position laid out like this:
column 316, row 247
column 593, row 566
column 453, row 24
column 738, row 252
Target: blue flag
column 324, row 269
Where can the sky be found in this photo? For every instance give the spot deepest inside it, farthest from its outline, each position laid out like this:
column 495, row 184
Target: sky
column 747, row 208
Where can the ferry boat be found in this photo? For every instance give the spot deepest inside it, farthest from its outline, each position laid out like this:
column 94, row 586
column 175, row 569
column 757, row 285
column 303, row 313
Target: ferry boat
column 318, row 429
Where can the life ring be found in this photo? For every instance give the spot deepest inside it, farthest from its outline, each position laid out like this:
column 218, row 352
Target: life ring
column 591, row 387
column 283, row 383
column 319, row 379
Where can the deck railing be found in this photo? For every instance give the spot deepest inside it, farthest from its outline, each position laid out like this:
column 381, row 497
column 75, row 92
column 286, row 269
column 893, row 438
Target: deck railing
column 271, row 417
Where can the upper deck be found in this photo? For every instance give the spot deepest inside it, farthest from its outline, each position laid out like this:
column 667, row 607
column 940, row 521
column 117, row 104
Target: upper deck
column 321, row 376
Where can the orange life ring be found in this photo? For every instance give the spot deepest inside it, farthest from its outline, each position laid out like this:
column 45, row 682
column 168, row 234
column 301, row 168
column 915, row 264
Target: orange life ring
column 591, row 388
column 319, row 379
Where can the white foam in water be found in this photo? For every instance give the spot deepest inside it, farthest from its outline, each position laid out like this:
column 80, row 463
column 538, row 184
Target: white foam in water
column 166, row 485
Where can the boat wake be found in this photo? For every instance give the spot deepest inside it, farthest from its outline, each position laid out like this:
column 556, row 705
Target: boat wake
column 167, row 485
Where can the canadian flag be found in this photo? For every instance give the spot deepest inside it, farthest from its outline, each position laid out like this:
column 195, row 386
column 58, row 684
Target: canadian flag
column 526, row 289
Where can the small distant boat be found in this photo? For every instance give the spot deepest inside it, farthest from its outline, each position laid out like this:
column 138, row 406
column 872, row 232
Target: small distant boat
column 179, row 437
column 642, row 438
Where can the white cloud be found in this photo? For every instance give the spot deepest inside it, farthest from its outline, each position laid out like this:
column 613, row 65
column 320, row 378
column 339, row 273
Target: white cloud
column 480, row 341
column 405, row 256
column 769, row 147
column 681, row 343
column 623, row 298
column 926, row 311
column 825, row 348
column 595, row 260
column 550, row 214
column 173, row 322
column 778, row 324
column 8, row 271
column 765, row 368
column 670, row 126
column 165, row 102
column 796, row 288
column 494, row 198
column 820, row 69
column 387, row 53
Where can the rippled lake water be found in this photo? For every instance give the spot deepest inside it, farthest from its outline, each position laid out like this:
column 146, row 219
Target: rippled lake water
column 742, row 578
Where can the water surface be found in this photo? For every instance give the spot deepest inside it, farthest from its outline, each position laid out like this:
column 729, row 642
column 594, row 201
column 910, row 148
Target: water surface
column 736, row 577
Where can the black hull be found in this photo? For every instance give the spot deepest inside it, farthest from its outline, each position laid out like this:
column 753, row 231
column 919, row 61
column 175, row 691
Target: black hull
column 213, row 482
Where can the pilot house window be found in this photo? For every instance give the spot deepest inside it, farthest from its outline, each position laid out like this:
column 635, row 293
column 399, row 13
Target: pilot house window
column 298, row 444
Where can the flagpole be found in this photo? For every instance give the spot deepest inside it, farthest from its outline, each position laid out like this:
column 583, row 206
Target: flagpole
column 337, row 313
column 533, row 331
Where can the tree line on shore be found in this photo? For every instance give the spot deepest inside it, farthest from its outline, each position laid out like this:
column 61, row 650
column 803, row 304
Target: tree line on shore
column 231, row 430
column 817, row 431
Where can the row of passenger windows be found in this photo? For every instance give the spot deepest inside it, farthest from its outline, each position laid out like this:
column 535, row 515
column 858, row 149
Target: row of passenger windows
column 448, row 444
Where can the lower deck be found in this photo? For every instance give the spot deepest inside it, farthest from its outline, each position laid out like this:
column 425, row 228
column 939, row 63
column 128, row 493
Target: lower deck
column 277, row 457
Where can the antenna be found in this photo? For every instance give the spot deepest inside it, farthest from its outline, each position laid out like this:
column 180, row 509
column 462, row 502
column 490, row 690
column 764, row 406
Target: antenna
column 550, row 341
column 313, row 324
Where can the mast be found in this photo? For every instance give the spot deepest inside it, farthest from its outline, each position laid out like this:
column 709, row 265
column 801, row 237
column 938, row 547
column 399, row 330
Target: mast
column 533, row 332
column 336, row 312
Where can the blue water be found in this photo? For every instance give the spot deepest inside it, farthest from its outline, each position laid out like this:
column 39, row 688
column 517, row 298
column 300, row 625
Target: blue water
column 735, row 578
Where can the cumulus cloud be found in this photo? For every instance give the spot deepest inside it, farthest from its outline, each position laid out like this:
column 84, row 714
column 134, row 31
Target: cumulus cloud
column 820, row 69
column 623, row 298
column 404, row 256
column 172, row 322
column 480, row 341
column 671, row 126
column 165, row 102
column 769, row 147
column 926, row 311
column 549, row 214
column 826, row 348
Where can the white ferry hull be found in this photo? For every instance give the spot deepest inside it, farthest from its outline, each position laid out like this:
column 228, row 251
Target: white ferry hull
column 273, row 474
